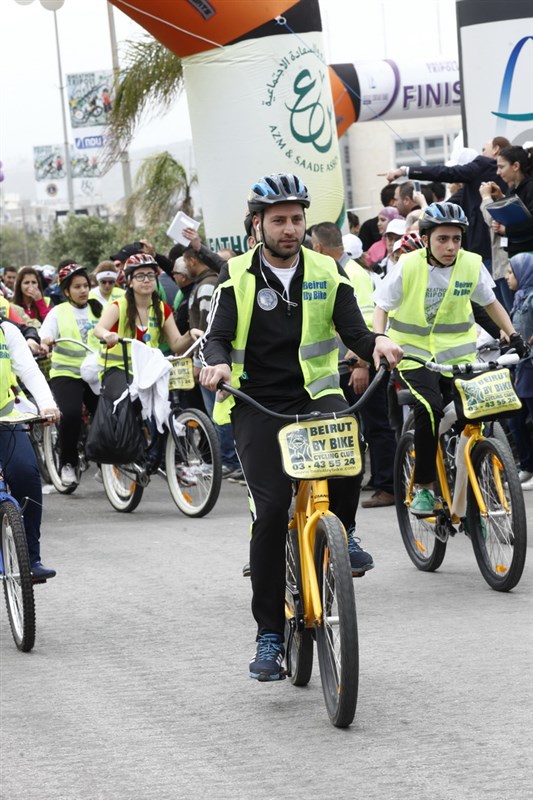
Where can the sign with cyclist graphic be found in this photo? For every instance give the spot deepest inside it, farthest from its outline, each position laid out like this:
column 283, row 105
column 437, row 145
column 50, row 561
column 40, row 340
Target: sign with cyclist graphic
column 90, row 98
column 325, row 448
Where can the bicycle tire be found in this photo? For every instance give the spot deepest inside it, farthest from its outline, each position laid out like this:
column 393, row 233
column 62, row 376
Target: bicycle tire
column 423, row 548
column 51, row 459
column 36, row 435
column 500, row 540
column 298, row 639
column 122, row 491
column 193, row 462
column 336, row 635
column 17, row 579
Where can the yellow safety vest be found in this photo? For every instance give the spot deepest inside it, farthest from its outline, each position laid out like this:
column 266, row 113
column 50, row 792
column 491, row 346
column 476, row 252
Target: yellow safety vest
column 7, row 379
column 116, row 294
column 114, row 355
column 318, row 352
column 451, row 338
column 364, row 289
column 66, row 356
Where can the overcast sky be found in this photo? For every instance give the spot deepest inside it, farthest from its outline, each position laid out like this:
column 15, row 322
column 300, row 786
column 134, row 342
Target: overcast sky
column 30, row 109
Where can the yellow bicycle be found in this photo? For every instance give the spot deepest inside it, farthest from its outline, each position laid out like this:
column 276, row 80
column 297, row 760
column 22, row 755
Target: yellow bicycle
column 477, row 492
column 319, row 593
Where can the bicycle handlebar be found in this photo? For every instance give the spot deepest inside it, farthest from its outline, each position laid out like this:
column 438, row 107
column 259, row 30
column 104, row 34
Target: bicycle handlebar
column 74, row 341
column 383, row 368
column 191, row 349
column 505, row 360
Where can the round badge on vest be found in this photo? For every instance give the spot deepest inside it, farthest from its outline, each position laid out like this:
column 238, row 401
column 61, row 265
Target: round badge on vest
column 146, row 337
column 267, row 299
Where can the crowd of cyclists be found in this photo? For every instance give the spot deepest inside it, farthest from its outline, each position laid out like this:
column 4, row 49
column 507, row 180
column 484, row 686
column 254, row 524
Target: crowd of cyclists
column 273, row 321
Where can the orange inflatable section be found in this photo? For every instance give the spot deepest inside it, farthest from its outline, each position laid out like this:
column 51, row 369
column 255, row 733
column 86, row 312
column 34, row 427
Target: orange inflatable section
column 187, row 27
column 342, row 103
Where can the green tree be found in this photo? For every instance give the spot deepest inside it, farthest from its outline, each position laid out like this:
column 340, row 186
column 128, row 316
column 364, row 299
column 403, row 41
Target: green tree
column 87, row 240
column 152, row 78
column 19, row 246
column 162, row 186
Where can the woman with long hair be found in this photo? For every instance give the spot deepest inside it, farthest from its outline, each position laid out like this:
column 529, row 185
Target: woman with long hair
column 74, row 319
column 29, row 294
column 515, row 167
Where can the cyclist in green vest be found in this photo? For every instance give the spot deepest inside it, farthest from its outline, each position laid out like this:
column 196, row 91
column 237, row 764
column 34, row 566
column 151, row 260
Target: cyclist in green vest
column 272, row 333
column 428, row 297
column 74, row 319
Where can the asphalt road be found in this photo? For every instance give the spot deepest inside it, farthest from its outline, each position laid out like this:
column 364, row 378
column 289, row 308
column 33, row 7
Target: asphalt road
column 137, row 686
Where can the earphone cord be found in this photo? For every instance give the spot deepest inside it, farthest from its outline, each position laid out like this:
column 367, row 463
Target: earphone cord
column 285, row 295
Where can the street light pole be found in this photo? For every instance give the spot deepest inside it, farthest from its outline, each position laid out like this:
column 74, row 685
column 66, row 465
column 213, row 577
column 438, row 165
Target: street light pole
column 124, row 157
column 70, row 186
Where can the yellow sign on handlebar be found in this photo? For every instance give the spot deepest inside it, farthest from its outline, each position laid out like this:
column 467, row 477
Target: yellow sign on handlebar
column 487, row 394
column 181, row 375
column 322, row 448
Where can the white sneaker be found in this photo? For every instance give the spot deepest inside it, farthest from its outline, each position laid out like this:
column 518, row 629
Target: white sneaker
column 68, row 475
column 527, row 486
column 524, row 475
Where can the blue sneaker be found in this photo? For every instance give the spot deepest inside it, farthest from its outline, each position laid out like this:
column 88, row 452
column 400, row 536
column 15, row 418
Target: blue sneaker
column 360, row 560
column 267, row 664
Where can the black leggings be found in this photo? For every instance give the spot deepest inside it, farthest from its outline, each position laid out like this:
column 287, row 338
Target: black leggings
column 270, row 495
column 433, row 393
column 70, row 394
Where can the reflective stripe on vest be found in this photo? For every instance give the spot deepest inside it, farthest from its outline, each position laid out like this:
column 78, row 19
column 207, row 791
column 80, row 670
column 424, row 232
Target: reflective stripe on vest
column 66, row 356
column 318, row 346
column 7, row 378
column 452, row 336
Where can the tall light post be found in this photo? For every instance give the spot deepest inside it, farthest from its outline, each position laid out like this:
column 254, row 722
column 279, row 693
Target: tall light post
column 124, row 157
column 54, row 5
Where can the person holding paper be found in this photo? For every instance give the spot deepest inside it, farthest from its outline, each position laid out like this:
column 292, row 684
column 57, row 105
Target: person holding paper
column 515, row 167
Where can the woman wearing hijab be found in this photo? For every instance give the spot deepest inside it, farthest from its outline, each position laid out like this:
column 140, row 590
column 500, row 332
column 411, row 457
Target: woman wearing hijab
column 378, row 251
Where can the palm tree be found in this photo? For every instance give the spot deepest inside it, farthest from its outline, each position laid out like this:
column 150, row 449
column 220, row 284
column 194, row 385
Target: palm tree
column 151, row 80
column 162, row 186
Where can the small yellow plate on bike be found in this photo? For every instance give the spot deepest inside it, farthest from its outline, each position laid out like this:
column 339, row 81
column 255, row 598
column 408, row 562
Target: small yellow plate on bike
column 324, row 448
column 492, row 392
column 18, row 416
column 181, row 375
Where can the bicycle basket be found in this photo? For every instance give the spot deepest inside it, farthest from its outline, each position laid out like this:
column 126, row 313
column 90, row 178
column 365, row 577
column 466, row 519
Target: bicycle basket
column 181, row 375
column 485, row 397
column 323, row 448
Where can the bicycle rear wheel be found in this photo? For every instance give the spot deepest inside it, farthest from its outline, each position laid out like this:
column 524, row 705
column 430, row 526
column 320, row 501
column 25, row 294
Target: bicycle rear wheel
column 36, row 434
column 193, row 462
column 18, row 584
column 52, row 461
column 121, row 487
column 499, row 539
column 336, row 635
column 418, row 534
column 298, row 639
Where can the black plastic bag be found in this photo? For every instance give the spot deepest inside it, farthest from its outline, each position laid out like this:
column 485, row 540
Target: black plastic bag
column 115, row 436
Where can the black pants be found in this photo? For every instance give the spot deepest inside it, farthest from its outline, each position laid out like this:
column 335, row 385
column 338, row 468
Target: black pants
column 270, row 495
column 70, row 394
column 433, row 393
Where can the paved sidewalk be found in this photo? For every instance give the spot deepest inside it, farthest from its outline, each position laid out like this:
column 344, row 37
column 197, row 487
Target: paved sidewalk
column 137, row 687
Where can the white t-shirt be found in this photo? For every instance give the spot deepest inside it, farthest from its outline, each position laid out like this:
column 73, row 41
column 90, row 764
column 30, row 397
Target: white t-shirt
column 50, row 326
column 25, row 367
column 389, row 293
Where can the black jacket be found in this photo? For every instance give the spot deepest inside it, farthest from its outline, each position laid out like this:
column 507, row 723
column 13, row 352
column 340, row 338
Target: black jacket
column 272, row 372
column 472, row 175
column 523, row 243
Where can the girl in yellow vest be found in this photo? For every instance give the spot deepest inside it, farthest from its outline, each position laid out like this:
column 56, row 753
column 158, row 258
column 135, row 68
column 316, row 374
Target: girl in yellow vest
column 140, row 314
column 74, row 319
column 107, row 289
column 431, row 291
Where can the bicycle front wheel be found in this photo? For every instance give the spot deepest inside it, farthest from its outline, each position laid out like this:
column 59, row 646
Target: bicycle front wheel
column 336, row 635
column 298, row 639
column 121, row 487
column 418, row 534
column 18, row 584
column 499, row 539
column 193, row 462
column 52, row 460
column 36, row 438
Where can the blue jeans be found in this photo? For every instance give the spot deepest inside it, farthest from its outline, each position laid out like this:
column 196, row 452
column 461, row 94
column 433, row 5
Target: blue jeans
column 22, row 475
column 225, row 432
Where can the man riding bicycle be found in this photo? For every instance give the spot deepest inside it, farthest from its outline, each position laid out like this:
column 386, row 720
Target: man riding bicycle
column 429, row 298
column 271, row 333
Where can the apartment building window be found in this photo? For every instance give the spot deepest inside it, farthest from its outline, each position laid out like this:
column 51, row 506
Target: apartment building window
column 429, row 148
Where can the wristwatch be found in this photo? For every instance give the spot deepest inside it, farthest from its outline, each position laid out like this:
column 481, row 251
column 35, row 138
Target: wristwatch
column 405, row 171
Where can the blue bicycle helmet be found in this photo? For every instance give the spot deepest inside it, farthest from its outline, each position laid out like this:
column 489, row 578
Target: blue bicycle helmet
column 442, row 214
column 278, row 188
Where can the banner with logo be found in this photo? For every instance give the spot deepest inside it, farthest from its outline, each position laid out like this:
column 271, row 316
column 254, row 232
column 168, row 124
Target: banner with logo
column 50, row 175
column 276, row 99
column 496, row 89
column 90, row 98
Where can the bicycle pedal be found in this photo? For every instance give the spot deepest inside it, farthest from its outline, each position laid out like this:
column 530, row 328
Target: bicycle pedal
column 35, row 581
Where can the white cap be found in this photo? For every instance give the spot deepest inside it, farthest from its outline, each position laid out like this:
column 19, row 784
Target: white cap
column 464, row 156
column 396, row 226
column 353, row 246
